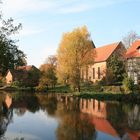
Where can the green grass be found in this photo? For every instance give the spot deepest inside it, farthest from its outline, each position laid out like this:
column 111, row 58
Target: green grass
column 60, row 89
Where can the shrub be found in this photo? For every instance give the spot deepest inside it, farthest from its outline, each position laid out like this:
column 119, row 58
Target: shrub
column 2, row 82
column 16, row 84
column 128, row 84
column 41, row 88
column 112, row 89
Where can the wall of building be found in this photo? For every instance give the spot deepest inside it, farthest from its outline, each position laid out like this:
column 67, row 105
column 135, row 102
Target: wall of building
column 91, row 72
column 133, row 69
column 9, row 78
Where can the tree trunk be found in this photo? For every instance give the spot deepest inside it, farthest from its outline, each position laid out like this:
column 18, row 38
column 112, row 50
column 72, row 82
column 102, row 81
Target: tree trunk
column 78, row 88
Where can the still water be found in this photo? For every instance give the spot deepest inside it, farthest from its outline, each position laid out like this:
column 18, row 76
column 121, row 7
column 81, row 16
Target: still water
column 58, row 117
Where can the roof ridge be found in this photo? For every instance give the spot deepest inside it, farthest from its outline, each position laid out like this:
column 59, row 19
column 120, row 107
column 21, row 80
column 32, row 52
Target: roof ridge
column 117, row 43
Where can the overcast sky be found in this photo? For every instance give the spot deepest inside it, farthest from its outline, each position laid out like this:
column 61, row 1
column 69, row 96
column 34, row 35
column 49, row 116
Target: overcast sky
column 45, row 21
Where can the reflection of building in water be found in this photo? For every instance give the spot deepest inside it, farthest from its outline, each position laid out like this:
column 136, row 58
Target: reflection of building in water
column 100, row 113
column 98, row 110
column 93, row 107
column 8, row 101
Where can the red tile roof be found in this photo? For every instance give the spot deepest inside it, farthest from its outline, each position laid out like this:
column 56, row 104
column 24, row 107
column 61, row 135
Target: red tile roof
column 133, row 52
column 103, row 53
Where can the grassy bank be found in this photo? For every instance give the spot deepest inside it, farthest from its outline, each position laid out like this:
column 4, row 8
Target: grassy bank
column 86, row 92
column 10, row 88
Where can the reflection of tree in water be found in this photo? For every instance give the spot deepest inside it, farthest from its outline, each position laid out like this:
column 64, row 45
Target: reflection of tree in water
column 123, row 116
column 23, row 102
column 48, row 103
column 74, row 125
column 134, row 118
column 6, row 115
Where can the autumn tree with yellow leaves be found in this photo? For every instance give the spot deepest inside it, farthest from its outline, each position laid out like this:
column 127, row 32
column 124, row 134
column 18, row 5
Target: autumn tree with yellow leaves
column 75, row 51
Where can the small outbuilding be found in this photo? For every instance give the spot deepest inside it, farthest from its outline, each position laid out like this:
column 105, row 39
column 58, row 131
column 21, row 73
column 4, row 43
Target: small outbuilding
column 27, row 75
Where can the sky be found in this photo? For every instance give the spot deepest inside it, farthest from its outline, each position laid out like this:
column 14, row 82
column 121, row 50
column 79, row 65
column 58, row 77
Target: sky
column 45, row 21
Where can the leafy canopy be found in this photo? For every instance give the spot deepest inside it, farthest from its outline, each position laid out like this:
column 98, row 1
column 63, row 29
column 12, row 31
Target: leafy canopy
column 10, row 55
column 75, row 51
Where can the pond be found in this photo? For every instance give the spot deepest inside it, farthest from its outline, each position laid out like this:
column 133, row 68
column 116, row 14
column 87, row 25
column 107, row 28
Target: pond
column 57, row 117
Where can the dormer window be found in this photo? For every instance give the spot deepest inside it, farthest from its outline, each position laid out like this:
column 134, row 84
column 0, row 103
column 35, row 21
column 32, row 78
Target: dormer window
column 138, row 48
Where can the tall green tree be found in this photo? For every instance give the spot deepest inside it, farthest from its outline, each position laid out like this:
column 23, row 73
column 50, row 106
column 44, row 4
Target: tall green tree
column 10, row 55
column 75, row 51
column 116, row 69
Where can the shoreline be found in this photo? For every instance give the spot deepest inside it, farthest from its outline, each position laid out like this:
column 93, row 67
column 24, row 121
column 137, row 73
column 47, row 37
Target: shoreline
column 121, row 97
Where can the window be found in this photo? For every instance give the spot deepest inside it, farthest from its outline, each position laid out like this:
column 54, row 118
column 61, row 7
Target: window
column 99, row 74
column 82, row 74
column 93, row 73
column 138, row 48
column 86, row 73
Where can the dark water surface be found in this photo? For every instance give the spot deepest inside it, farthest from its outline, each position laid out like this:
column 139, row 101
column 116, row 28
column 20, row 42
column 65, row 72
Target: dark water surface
column 57, row 117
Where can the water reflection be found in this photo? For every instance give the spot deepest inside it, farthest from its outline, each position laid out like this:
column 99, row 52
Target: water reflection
column 6, row 113
column 68, row 118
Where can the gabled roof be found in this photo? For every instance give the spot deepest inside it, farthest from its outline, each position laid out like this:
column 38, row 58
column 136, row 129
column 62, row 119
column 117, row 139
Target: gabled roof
column 104, row 52
column 133, row 51
column 26, row 68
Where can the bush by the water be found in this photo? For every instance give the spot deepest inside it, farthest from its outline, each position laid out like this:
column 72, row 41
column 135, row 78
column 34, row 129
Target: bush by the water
column 112, row 89
column 128, row 84
column 41, row 88
column 16, row 84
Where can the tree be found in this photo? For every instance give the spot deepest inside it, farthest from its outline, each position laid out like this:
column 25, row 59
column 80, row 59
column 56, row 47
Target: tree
column 10, row 55
column 48, row 70
column 130, row 38
column 52, row 60
column 128, row 84
column 116, row 69
column 75, row 51
column 48, row 76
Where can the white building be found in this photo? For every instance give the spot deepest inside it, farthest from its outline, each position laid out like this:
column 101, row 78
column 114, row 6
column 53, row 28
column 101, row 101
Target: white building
column 133, row 61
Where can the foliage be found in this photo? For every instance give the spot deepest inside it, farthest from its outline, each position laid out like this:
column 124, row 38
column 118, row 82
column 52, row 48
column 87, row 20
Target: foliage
column 33, row 78
column 41, row 88
column 2, row 81
column 48, row 76
column 116, row 70
column 16, row 84
column 112, row 89
column 75, row 51
column 52, row 60
column 128, row 84
column 1, row 84
column 10, row 55
column 28, row 78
